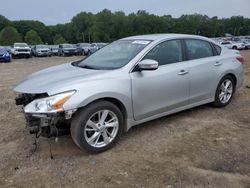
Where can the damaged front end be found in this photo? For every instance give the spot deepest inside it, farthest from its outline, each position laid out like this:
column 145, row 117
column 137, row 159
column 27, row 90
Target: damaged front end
column 44, row 114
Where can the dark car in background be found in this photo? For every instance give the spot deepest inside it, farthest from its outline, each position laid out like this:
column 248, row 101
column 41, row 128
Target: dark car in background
column 83, row 48
column 41, row 50
column 66, row 50
column 96, row 46
column 4, row 55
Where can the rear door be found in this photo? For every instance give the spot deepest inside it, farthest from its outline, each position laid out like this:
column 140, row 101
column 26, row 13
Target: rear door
column 203, row 65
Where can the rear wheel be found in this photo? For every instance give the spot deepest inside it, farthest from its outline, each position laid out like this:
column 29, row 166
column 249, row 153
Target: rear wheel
column 97, row 127
column 224, row 91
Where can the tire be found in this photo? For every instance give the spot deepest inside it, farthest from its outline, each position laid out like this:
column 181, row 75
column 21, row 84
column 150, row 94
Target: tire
column 219, row 97
column 82, row 133
column 234, row 47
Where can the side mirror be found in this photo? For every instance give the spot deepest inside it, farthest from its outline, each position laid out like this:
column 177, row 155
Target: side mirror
column 148, row 64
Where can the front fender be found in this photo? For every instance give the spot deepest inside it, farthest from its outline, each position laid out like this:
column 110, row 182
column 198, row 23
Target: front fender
column 118, row 89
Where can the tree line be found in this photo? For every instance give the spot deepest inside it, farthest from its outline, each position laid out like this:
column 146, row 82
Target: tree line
column 107, row 26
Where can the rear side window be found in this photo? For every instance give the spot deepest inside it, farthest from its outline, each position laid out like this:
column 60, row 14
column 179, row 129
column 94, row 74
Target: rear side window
column 197, row 49
column 217, row 49
column 166, row 52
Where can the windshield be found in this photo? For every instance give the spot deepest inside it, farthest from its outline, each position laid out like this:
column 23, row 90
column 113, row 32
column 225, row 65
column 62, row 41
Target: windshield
column 54, row 46
column 115, row 55
column 21, row 45
column 68, row 46
column 84, row 45
column 41, row 46
column 100, row 45
column 3, row 50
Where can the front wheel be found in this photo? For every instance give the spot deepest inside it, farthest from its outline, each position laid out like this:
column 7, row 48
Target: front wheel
column 97, row 127
column 224, row 91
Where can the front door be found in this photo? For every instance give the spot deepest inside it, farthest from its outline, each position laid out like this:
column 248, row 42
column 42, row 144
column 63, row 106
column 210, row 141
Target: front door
column 164, row 89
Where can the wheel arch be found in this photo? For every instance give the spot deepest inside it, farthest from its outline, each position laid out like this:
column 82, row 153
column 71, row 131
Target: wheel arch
column 120, row 104
column 233, row 77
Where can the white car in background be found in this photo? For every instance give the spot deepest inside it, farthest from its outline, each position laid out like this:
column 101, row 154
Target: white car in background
column 247, row 43
column 21, row 50
column 233, row 45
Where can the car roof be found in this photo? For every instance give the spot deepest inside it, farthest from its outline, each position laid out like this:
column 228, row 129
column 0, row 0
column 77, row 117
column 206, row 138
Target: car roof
column 154, row 37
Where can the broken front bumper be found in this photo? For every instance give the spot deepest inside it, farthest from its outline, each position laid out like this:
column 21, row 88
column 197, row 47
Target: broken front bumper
column 44, row 124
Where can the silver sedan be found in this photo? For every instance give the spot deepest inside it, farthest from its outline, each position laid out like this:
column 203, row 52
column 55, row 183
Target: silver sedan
column 128, row 82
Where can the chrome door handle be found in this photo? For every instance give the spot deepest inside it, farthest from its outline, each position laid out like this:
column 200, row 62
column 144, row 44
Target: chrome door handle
column 183, row 72
column 218, row 64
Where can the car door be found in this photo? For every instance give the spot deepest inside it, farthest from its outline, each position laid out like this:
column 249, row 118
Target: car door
column 203, row 64
column 164, row 89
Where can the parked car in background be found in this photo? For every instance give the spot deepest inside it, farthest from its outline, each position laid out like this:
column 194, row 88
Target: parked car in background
column 233, row 45
column 83, row 48
column 96, row 46
column 8, row 48
column 4, row 55
column 131, row 81
column 66, row 50
column 54, row 49
column 41, row 50
column 21, row 50
column 227, row 44
column 246, row 43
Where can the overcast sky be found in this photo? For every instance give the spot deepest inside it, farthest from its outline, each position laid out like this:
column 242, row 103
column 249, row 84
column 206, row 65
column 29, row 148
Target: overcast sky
column 60, row 11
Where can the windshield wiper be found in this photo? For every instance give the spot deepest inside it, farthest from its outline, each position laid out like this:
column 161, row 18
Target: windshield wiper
column 86, row 67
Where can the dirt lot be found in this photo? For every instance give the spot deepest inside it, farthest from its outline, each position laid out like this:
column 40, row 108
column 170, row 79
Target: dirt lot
column 201, row 147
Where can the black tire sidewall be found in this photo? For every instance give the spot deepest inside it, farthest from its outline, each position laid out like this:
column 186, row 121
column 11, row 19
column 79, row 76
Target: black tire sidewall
column 217, row 101
column 80, row 118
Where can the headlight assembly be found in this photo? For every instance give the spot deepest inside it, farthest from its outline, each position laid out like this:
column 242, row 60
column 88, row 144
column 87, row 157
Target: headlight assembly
column 50, row 104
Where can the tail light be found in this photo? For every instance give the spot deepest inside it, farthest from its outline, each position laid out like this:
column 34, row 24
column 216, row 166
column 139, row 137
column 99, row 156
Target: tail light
column 241, row 59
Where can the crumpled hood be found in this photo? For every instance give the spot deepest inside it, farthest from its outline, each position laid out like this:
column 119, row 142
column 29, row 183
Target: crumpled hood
column 65, row 75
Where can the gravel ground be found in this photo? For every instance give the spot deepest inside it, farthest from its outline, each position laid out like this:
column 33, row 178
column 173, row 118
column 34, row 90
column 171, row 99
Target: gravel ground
column 200, row 147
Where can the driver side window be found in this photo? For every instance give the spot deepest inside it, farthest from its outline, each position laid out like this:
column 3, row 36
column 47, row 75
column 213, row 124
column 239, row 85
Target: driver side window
column 166, row 52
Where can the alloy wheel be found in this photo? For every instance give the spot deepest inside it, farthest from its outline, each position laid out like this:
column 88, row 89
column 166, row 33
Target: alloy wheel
column 226, row 91
column 101, row 128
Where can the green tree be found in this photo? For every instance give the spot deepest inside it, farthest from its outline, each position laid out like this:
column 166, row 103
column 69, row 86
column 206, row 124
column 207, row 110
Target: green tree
column 32, row 37
column 58, row 39
column 81, row 25
column 107, row 26
column 9, row 35
column 24, row 26
column 3, row 22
